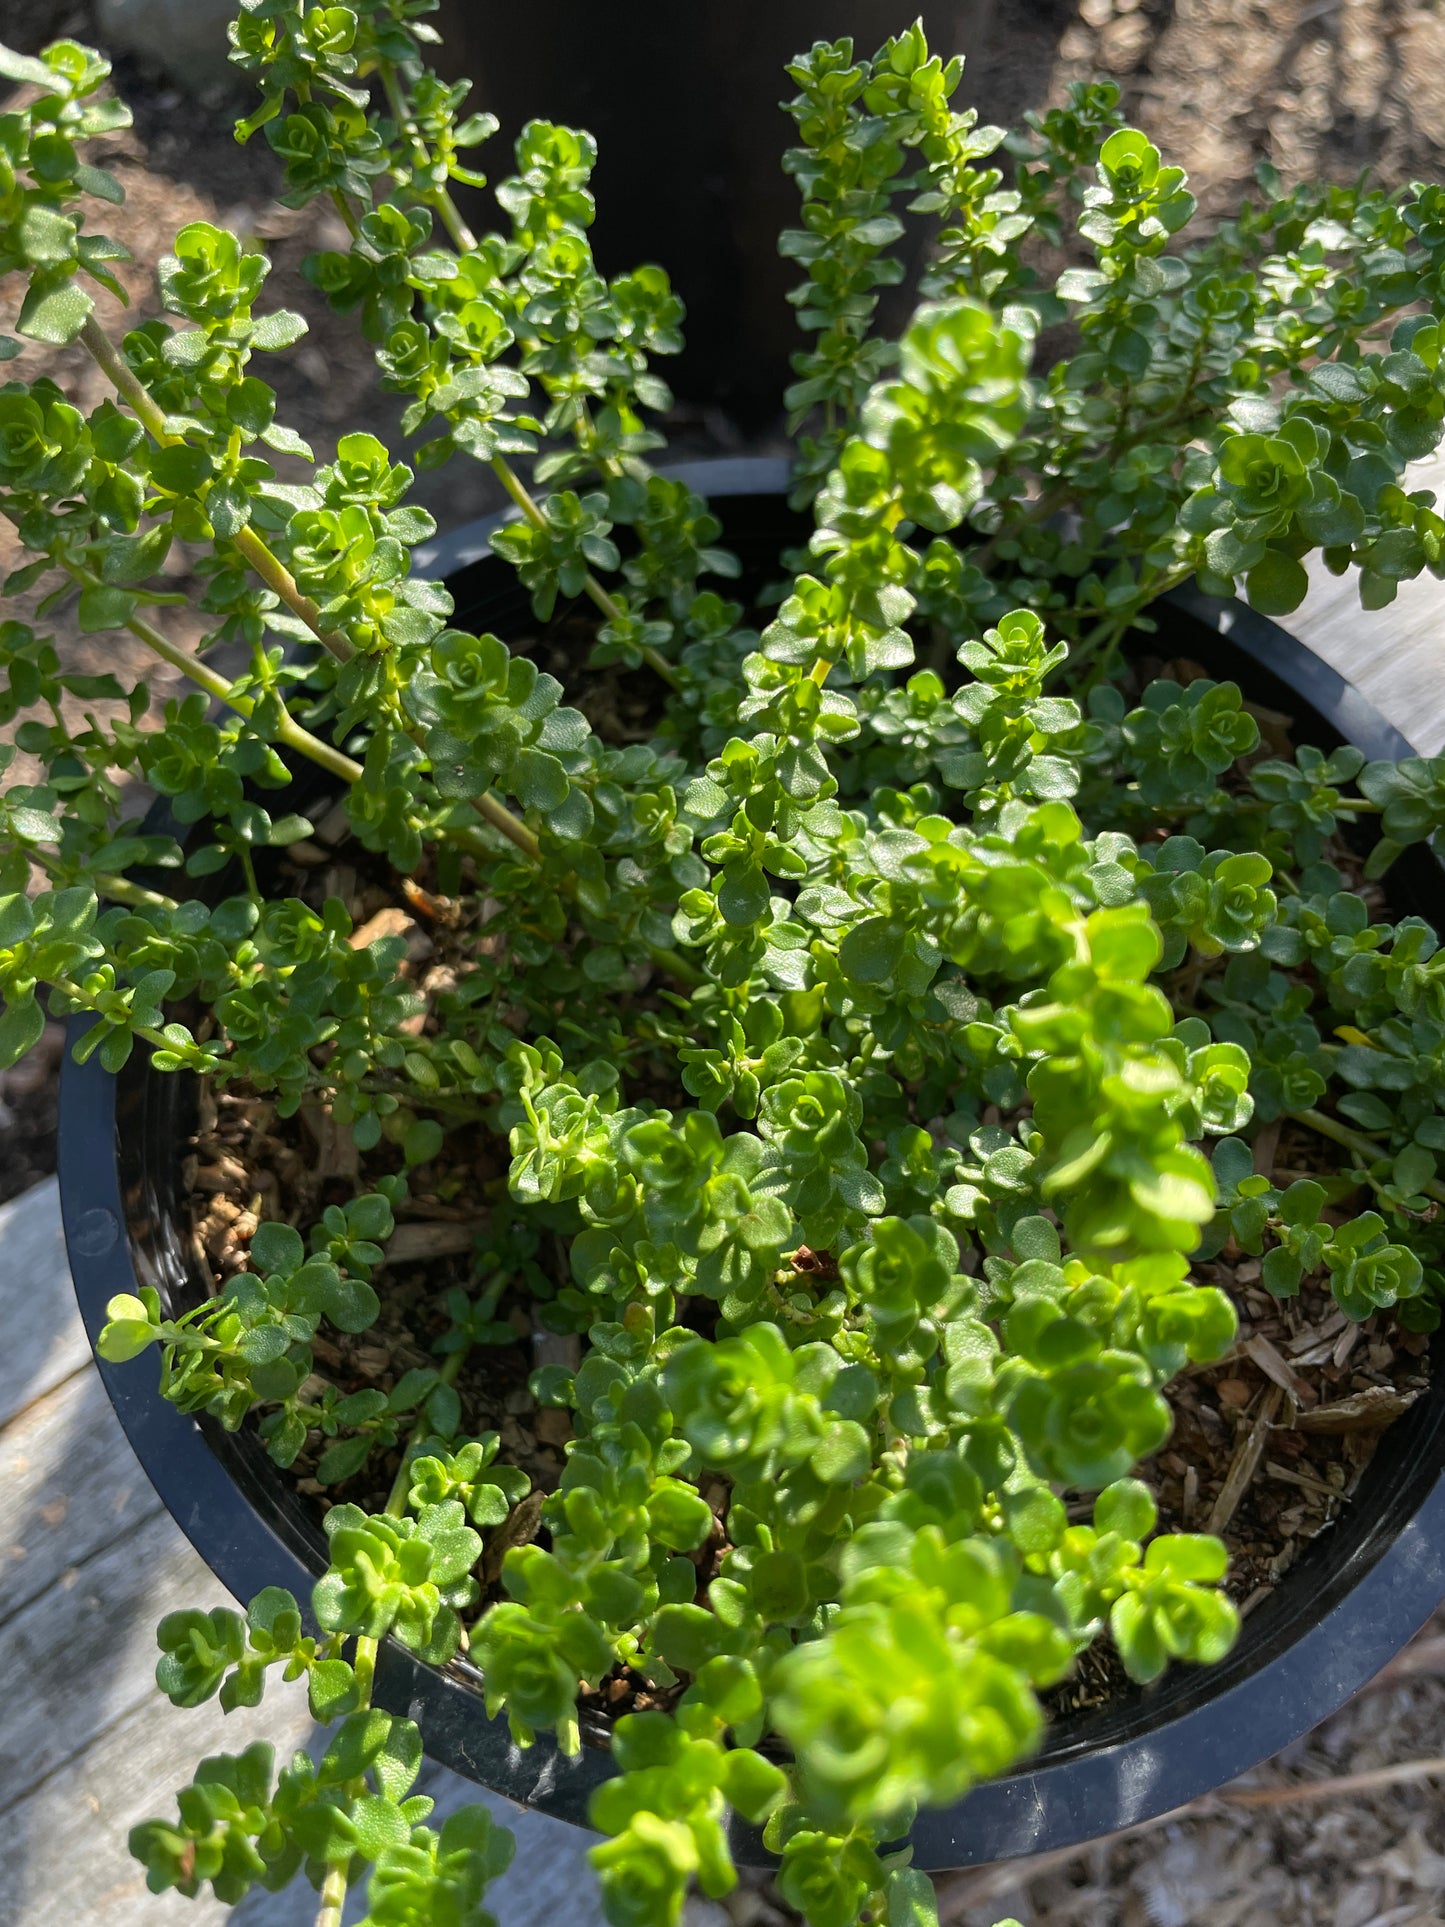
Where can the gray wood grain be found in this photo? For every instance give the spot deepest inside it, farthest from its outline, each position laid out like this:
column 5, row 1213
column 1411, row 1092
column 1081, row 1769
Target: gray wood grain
column 69, row 1486
column 83, row 1655
column 1396, row 655
column 44, row 1338
column 63, row 1856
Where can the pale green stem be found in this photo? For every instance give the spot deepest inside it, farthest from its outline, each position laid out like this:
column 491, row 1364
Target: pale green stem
column 333, row 1897
column 278, row 578
column 76, row 993
column 118, row 889
column 517, row 489
column 1112, row 629
column 1366, row 1147
column 465, row 242
column 344, row 209
column 289, row 733
column 122, row 890
column 364, row 1658
column 272, row 571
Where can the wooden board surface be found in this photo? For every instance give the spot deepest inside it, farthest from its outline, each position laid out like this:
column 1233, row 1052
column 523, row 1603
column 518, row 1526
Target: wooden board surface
column 44, row 1338
column 1395, row 656
column 69, row 1487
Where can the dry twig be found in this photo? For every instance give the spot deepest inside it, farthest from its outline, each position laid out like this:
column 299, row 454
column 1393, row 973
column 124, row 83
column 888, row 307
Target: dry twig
column 1245, row 1463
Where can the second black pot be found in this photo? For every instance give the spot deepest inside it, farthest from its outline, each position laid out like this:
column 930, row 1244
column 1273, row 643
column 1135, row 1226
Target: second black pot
column 683, row 102
column 1352, row 1600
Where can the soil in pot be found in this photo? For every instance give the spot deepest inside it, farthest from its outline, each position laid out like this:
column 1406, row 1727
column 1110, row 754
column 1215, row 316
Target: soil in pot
column 1268, row 1444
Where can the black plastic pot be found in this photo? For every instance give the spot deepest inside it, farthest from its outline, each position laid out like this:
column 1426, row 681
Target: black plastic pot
column 1352, row 1600
column 684, row 104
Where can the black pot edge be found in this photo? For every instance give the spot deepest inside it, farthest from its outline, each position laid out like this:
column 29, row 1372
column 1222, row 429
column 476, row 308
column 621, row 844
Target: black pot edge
column 1065, row 1801
column 715, row 475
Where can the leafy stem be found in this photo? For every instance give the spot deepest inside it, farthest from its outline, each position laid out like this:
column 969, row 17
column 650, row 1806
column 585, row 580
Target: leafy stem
column 526, row 502
column 1360, row 1143
column 333, row 1896
column 267, row 565
column 288, row 732
column 365, row 1652
column 280, row 580
column 465, row 242
column 118, row 889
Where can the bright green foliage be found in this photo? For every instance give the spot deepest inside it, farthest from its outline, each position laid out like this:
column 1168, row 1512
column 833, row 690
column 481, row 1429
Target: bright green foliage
column 487, row 1492
column 405, row 1576
column 1365, row 1270
column 250, row 1345
column 441, row 1877
column 874, row 1046
column 664, row 1812
column 920, row 1685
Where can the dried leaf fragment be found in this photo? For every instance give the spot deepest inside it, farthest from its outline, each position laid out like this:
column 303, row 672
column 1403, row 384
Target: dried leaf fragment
column 1360, row 1412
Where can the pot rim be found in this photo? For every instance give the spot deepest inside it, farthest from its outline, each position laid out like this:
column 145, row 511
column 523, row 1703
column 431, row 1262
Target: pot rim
column 1296, row 1664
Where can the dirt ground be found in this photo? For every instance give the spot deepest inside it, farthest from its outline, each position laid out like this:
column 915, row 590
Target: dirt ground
column 1320, row 88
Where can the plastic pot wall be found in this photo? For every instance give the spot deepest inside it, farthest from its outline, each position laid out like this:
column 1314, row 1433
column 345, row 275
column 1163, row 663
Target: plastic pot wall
column 1355, row 1597
column 684, row 104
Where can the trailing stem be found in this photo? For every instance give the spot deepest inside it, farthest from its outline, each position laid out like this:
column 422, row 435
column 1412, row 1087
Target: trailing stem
column 465, row 242
column 280, row 581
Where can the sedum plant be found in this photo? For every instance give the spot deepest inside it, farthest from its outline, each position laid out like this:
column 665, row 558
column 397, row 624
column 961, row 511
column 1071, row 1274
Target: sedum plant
column 882, row 1037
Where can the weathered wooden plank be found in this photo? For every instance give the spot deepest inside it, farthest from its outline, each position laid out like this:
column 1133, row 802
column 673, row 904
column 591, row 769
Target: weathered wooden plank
column 69, row 1486
column 1395, row 656
column 44, row 1338
column 63, row 1857
column 83, row 1655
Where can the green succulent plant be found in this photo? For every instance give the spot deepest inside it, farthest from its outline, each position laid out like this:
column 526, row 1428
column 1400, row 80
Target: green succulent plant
column 880, row 1040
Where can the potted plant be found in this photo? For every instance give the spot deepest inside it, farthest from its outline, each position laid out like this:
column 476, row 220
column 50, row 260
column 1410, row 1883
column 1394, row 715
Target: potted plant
column 858, row 1082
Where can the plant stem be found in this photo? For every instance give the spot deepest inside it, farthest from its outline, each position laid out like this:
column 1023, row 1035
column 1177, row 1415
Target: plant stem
column 517, row 489
column 278, row 578
column 1039, row 509
column 676, row 967
column 333, row 1892
column 118, row 889
column 465, row 242
column 123, row 378
column 289, row 732
column 1111, row 630
column 268, row 566
column 448, row 1373
column 122, row 890
column 1366, row 1147
column 333, row 1897
column 344, row 209
column 364, row 1658
column 512, row 827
